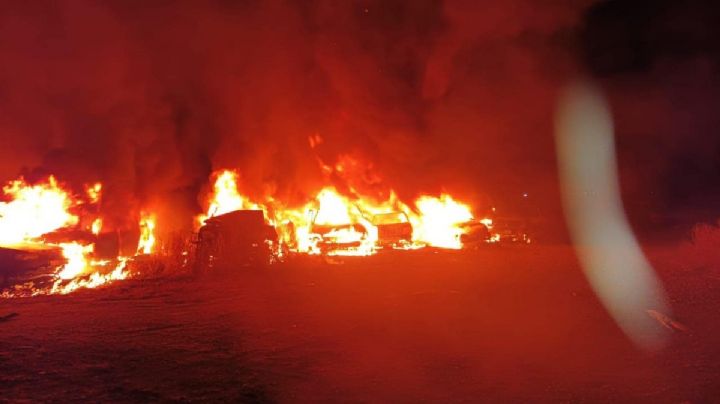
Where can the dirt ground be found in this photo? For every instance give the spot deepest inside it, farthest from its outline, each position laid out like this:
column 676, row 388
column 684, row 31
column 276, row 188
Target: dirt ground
column 501, row 324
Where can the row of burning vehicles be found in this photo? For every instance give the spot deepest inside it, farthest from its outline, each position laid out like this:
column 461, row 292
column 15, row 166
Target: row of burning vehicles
column 39, row 231
column 236, row 231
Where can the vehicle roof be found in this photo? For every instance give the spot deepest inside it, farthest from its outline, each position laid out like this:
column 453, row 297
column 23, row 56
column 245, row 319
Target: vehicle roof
column 390, row 218
column 238, row 218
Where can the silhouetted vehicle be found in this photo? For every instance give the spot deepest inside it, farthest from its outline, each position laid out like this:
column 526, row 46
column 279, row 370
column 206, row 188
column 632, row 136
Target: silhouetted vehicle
column 26, row 264
column 394, row 229
column 476, row 234
column 511, row 231
column 235, row 239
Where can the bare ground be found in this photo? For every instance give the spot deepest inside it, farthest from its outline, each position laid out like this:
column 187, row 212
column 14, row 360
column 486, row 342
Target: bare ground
column 502, row 324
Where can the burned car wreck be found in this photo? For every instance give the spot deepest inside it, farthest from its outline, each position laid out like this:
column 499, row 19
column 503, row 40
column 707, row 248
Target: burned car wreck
column 236, row 239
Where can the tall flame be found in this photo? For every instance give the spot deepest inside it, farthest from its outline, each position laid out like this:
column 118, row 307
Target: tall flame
column 147, row 233
column 225, row 196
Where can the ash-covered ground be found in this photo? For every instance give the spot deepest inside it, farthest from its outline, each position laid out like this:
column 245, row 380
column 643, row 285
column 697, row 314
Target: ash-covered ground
column 499, row 324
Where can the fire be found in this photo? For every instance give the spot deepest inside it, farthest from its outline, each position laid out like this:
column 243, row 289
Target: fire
column 336, row 223
column 438, row 221
column 95, row 280
column 333, row 223
column 76, row 256
column 96, row 226
column 32, row 217
column 333, row 208
column 147, row 234
column 33, row 210
column 94, row 192
column 225, row 197
column 339, row 226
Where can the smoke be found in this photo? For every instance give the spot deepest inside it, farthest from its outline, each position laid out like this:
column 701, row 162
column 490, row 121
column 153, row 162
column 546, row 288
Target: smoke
column 151, row 97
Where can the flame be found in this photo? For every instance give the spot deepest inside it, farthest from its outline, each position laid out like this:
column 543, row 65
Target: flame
column 341, row 223
column 225, row 197
column 333, row 208
column 147, row 234
column 96, row 226
column 95, row 280
column 76, row 256
column 332, row 223
column 336, row 223
column 438, row 221
column 33, row 210
column 94, row 192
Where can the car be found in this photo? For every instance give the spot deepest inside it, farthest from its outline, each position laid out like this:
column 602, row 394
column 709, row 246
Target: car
column 336, row 238
column 394, row 229
column 236, row 239
column 476, row 234
column 28, row 263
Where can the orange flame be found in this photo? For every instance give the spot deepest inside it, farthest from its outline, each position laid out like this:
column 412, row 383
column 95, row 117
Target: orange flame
column 438, row 221
column 225, row 196
column 95, row 280
column 96, row 226
column 76, row 256
column 94, row 192
column 33, row 210
column 338, row 224
column 147, row 233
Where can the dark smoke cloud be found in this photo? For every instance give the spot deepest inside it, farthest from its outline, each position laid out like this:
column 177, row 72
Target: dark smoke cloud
column 150, row 97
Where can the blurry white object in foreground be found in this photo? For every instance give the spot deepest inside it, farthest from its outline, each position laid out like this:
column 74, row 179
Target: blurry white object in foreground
column 607, row 248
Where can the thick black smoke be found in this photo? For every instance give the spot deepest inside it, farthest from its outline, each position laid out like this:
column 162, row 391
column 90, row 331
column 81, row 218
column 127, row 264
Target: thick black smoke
column 150, row 97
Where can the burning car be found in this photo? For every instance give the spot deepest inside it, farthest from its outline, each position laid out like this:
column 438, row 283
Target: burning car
column 339, row 238
column 476, row 233
column 238, row 238
column 393, row 229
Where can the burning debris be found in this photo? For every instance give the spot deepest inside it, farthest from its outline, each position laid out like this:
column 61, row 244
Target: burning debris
column 63, row 236
column 336, row 223
column 45, row 239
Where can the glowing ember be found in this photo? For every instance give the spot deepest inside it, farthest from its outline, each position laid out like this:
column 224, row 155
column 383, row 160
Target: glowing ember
column 147, row 234
column 33, row 210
